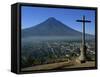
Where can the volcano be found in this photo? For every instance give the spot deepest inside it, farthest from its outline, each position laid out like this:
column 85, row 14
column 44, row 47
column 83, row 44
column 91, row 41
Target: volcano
column 50, row 27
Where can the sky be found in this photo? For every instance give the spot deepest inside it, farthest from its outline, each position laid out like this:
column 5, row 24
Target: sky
column 31, row 16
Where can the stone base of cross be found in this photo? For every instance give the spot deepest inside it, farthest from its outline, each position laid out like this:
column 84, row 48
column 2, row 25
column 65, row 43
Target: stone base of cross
column 82, row 56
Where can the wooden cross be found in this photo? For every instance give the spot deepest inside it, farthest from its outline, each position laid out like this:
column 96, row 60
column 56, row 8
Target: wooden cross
column 83, row 51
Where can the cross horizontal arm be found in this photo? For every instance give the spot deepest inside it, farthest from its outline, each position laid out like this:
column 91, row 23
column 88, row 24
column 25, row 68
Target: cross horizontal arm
column 83, row 21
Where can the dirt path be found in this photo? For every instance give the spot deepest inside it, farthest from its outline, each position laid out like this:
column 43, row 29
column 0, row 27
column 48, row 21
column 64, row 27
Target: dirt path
column 61, row 65
column 48, row 66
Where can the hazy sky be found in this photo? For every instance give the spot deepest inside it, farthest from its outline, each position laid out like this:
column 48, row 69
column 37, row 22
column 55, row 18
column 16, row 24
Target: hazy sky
column 31, row 16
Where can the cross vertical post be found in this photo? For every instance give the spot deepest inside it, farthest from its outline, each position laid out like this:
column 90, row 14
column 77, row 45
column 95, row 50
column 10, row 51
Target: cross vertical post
column 83, row 51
